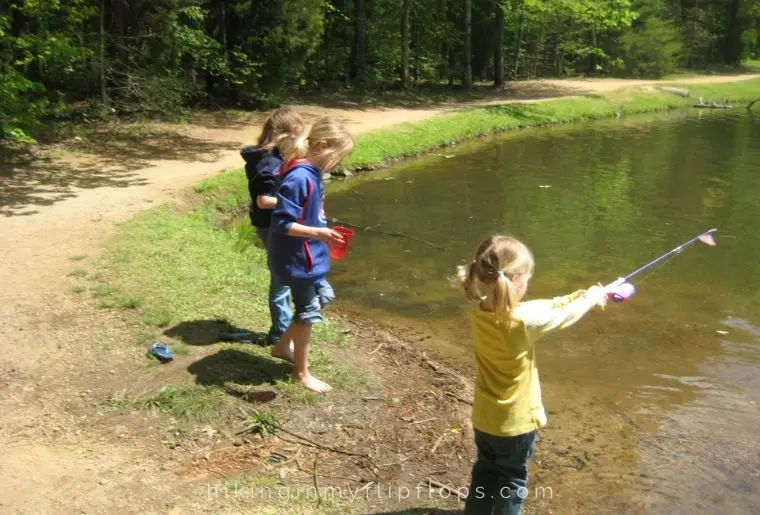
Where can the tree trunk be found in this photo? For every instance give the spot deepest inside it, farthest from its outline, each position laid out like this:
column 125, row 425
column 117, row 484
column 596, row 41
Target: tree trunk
column 732, row 43
column 498, row 64
column 102, row 52
column 467, row 72
column 592, row 57
column 518, row 45
column 405, row 44
column 359, row 60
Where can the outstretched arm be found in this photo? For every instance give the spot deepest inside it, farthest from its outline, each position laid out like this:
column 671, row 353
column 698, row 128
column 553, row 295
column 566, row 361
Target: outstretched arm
column 543, row 316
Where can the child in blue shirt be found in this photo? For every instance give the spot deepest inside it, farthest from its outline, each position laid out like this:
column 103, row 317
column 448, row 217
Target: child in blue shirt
column 299, row 238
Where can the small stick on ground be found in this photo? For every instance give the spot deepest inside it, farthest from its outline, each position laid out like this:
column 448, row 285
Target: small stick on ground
column 414, row 423
column 320, row 446
column 447, row 488
column 316, row 483
column 377, row 348
column 437, row 443
column 460, row 399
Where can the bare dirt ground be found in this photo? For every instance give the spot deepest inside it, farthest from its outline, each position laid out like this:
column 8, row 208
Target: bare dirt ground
column 58, row 352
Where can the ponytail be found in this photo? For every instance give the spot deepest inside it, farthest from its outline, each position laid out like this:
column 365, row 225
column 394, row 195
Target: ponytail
column 499, row 260
column 299, row 150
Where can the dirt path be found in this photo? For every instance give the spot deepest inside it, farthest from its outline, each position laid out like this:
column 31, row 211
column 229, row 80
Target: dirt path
column 58, row 212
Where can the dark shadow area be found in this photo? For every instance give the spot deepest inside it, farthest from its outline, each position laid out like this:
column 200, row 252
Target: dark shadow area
column 206, row 332
column 101, row 159
column 430, row 96
column 420, row 511
column 241, row 369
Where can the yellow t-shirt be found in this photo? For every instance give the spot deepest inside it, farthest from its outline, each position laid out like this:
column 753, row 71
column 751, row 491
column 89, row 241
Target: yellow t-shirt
column 507, row 392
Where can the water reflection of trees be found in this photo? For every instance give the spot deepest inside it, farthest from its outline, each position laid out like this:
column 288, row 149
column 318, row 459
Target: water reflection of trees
column 618, row 198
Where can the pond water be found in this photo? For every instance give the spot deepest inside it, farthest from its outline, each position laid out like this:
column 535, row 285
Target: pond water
column 653, row 403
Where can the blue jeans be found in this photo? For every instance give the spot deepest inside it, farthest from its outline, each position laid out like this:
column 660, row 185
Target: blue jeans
column 280, row 296
column 279, row 299
column 499, row 483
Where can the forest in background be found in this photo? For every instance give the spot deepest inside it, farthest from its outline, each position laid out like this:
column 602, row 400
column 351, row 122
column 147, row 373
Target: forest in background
column 86, row 59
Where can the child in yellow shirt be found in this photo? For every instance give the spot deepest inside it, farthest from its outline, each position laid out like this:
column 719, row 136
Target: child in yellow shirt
column 507, row 409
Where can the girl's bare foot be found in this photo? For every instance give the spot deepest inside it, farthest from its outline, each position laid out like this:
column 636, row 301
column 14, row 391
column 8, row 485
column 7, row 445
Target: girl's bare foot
column 312, row 383
column 283, row 353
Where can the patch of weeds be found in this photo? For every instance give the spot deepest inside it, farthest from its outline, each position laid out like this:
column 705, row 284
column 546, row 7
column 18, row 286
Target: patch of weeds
column 228, row 205
column 103, row 290
column 118, row 401
column 180, row 349
column 77, row 258
column 175, row 436
column 158, row 318
column 336, row 373
column 198, row 402
column 128, row 302
column 297, row 393
column 79, row 273
column 105, row 304
column 77, row 289
column 264, row 423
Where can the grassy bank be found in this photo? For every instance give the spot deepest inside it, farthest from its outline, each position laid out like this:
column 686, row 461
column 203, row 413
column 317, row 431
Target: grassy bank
column 379, row 147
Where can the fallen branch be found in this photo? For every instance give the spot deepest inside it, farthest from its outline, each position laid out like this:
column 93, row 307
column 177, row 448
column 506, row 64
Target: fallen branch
column 316, row 445
column 373, row 228
column 441, row 486
column 460, row 399
column 437, row 443
column 377, row 348
column 316, row 483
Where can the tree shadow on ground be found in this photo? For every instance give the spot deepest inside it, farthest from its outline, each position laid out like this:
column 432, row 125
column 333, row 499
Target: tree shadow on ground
column 207, row 332
column 431, row 96
column 102, row 159
column 232, row 369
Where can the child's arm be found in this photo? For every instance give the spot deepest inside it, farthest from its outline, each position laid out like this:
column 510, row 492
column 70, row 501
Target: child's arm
column 291, row 197
column 543, row 316
column 266, row 201
column 265, row 182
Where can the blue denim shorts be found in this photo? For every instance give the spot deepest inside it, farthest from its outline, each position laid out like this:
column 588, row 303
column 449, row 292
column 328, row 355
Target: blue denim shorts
column 308, row 309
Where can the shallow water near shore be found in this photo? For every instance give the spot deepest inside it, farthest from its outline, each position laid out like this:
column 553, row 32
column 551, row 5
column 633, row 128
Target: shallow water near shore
column 653, row 403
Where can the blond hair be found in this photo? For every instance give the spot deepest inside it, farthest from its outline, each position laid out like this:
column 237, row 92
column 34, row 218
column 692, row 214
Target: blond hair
column 281, row 123
column 501, row 263
column 327, row 144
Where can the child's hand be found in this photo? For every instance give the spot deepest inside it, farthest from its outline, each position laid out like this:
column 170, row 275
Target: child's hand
column 329, row 236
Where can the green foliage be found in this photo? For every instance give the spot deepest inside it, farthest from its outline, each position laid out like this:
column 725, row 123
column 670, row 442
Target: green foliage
column 161, row 56
column 653, row 47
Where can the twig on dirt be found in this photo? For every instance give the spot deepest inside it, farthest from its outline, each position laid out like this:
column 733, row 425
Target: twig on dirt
column 316, row 445
column 373, row 228
column 437, row 443
column 316, row 482
column 414, row 423
column 460, row 399
column 377, row 348
column 371, row 399
column 437, row 484
column 399, row 462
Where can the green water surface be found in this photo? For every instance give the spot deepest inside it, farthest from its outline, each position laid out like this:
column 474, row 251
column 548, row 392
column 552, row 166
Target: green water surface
column 653, row 403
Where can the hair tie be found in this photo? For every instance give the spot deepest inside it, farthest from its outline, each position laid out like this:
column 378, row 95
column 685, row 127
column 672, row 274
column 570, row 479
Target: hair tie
column 502, row 274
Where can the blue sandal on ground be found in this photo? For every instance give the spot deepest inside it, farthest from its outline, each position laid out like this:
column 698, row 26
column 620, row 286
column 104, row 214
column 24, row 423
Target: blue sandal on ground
column 161, row 352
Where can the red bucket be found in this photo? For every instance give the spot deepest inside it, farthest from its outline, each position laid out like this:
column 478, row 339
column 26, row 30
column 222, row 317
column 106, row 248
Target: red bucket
column 339, row 250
